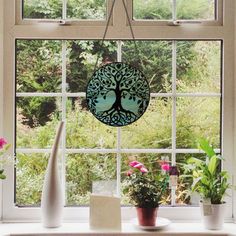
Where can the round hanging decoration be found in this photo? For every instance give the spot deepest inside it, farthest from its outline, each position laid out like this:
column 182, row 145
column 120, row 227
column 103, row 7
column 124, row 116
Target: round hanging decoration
column 117, row 94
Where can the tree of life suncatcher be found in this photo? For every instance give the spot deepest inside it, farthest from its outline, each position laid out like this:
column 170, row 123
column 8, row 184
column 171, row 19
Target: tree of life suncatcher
column 118, row 94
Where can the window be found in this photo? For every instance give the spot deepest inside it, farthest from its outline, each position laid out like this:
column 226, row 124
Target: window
column 52, row 67
column 145, row 11
column 75, row 9
column 142, row 9
column 185, row 81
column 174, row 9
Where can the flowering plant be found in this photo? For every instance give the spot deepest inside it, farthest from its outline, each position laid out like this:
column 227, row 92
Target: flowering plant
column 144, row 189
column 3, row 149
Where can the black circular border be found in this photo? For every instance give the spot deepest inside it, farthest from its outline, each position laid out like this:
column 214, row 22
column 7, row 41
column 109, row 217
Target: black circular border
column 148, row 101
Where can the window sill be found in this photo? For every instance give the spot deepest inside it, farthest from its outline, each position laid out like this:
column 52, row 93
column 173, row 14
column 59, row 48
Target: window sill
column 187, row 229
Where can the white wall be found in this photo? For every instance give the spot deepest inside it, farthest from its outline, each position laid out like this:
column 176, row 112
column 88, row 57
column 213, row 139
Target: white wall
column 1, row 86
column 234, row 166
column 1, row 62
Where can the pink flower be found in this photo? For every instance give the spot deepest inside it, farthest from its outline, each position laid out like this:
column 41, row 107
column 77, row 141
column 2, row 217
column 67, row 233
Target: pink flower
column 138, row 165
column 129, row 172
column 2, row 142
column 143, row 169
column 134, row 163
column 165, row 167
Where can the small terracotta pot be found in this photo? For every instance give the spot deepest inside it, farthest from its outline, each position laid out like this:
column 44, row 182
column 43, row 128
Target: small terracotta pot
column 147, row 216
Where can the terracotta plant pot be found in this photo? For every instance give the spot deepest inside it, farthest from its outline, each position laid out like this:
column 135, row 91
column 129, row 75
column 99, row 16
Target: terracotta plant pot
column 147, row 216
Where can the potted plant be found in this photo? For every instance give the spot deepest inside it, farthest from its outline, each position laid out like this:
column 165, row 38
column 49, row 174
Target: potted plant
column 211, row 183
column 144, row 191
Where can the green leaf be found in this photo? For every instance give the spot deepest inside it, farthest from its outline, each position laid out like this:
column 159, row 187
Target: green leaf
column 193, row 160
column 2, row 176
column 224, row 174
column 195, row 182
column 213, row 163
column 205, row 146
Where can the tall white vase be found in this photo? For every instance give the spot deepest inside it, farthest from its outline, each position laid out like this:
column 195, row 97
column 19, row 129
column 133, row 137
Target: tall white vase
column 52, row 201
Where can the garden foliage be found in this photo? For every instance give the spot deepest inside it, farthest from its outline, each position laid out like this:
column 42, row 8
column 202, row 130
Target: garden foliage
column 39, row 69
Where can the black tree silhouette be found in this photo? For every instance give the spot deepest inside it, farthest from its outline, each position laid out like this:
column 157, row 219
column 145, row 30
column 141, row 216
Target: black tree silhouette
column 118, row 94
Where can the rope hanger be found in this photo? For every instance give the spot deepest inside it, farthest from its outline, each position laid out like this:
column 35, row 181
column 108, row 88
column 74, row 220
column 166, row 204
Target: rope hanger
column 106, row 29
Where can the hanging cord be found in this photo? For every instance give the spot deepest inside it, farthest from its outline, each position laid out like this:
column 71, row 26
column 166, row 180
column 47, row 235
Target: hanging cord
column 106, row 29
column 132, row 32
column 104, row 35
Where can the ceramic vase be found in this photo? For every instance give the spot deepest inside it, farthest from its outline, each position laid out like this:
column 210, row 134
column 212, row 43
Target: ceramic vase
column 215, row 220
column 147, row 216
column 52, row 201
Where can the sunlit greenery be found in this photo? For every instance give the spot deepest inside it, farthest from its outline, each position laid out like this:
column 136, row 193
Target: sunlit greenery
column 162, row 9
column 90, row 9
column 42, row 9
column 39, row 69
column 143, row 9
column 52, row 9
column 152, row 9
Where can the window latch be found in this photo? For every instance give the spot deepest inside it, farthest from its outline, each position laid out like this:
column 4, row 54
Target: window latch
column 174, row 23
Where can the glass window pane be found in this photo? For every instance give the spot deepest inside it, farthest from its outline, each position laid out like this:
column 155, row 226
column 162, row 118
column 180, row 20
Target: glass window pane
column 154, row 59
column 198, row 118
column 196, row 9
column 38, row 66
column 30, row 170
column 81, row 61
column 42, row 9
column 153, row 129
column 83, row 130
column 184, row 196
column 152, row 161
column 89, row 173
column 92, row 9
column 152, row 9
column 37, row 119
column 199, row 66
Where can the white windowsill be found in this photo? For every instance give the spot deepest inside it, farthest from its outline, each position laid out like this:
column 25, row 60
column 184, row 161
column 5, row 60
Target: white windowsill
column 186, row 229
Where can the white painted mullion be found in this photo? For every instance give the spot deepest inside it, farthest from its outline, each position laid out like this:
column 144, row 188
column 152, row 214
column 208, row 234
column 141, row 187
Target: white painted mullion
column 174, row 99
column 118, row 162
column 67, row 151
column 174, row 10
column 100, row 150
column 186, row 94
column 198, row 94
column 64, row 9
column 38, row 94
column 118, row 155
column 80, row 94
column 173, row 157
column 64, row 99
column 83, row 94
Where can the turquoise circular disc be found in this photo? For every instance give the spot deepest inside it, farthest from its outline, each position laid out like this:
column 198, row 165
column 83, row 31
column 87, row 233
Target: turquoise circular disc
column 117, row 94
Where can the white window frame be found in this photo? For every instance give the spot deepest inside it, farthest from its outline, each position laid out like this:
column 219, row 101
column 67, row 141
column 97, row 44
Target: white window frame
column 1, row 87
column 13, row 29
column 65, row 20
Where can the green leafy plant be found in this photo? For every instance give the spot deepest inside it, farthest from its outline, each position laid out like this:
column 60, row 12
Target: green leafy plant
column 208, row 179
column 143, row 189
